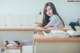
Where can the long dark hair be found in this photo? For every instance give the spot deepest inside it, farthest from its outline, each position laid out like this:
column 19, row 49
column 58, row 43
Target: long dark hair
column 45, row 20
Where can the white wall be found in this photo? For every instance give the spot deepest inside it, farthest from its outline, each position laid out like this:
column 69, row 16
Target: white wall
column 19, row 12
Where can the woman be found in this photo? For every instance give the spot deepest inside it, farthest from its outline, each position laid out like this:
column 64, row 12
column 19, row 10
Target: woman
column 50, row 16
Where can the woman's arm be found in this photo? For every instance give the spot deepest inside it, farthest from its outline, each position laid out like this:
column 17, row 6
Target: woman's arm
column 54, row 22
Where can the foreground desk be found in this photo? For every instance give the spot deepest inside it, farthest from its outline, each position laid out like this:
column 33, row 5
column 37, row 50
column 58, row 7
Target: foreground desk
column 13, row 49
column 16, row 33
column 56, row 45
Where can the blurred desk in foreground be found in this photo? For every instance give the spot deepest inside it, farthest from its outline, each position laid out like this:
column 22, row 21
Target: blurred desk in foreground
column 13, row 49
column 56, row 45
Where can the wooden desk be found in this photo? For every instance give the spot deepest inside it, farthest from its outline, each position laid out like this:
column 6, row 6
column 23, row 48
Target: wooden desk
column 68, row 39
column 17, row 29
column 16, row 33
column 57, row 39
column 56, row 45
column 13, row 47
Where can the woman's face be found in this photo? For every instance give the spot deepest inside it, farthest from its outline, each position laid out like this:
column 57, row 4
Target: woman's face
column 49, row 11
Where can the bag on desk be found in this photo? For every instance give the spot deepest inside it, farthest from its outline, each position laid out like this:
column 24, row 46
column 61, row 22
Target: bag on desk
column 73, row 24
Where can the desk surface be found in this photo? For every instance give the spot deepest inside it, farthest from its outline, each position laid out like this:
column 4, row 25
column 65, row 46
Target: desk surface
column 31, row 28
column 13, row 47
column 57, row 39
column 41, row 38
column 16, row 29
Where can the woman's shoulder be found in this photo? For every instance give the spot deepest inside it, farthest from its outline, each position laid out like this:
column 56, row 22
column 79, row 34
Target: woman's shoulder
column 54, row 17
